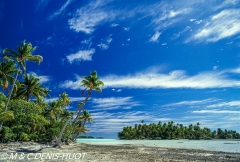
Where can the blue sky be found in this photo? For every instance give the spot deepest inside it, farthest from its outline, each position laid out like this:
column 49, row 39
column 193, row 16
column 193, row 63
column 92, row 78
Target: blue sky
column 160, row 60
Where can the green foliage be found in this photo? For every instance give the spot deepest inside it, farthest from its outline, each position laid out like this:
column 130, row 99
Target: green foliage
column 7, row 134
column 6, row 116
column 28, row 119
column 2, row 101
column 24, row 137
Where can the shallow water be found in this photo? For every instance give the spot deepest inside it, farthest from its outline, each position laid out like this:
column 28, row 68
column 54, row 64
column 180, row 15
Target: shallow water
column 213, row 145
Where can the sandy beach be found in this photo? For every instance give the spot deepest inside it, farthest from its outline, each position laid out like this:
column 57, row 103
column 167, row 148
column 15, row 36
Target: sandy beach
column 36, row 152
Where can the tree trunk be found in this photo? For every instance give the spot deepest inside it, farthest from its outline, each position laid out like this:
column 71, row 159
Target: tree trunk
column 58, row 142
column 9, row 97
column 77, row 132
column 84, row 102
column 74, row 122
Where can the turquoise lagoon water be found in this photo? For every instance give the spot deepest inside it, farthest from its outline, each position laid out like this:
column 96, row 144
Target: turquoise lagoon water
column 213, row 145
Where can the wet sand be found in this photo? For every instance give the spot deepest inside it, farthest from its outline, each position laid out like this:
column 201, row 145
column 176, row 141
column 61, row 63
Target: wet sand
column 106, row 153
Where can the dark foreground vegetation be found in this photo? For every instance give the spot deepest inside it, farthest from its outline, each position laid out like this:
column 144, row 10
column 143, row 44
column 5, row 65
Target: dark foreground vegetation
column 174, row 131
column 26, row 114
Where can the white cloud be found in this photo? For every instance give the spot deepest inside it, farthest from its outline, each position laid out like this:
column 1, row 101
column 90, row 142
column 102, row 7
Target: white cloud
column 166, row 17
column 126, row 28
column 215, row 67
column 173, row 79
column 61, row 9
column 87, row 41
column 44, row 78
column 198, row 22
column 155, row 37
column 187, row 28
column 236, row 70
column 219, row 26
column 105, row 44
column 227, row 4
column 117, row 90
column 114, row 25
column 114, row 103
column 216, row 112
column 85, row 55
column 97, row 12
column 42, row 4
column 192, row 103
column 91, row 15
column 68, row 84
column 77, row 99
column 225, row 104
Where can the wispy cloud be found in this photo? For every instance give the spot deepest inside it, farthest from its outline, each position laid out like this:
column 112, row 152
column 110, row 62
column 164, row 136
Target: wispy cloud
column 87, row 18
column 114, row 122
column 115, row 103
column 219, row 26
column 225, row 104
column 126, row 28
column 44, row 78
column 117, row 90
column 85, row 55
column 42, row 4
column 155, row 37
column 173, row 79
column 162, row 16
column 187, row 28
column 114, row 25
column 69, row 84
column 216, row 111
column 105, row 43
column 91, row 15
column 192, row 103
column 61, row 9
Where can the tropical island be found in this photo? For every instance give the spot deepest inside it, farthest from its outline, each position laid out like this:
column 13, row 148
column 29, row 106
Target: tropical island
column 31, row 124
column 174, row 131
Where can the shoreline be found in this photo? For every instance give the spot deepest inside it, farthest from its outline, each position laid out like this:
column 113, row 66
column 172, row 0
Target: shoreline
column 119, row 153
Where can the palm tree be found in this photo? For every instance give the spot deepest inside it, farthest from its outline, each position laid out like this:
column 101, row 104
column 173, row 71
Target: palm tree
column 31, row 86
column 64, row 99
column 54, row 111
column 90, row 82
column 86, row 117
column 23, row 54
column 7, row 69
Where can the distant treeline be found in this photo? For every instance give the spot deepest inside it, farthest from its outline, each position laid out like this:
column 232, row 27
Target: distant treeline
column 174, row 131
column 90, row 137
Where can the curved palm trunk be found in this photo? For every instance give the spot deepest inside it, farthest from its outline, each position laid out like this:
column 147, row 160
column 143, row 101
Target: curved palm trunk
column 77, row 132
column 74, row 122
column 10, row 95
column 84, row 102
column 65, row 125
